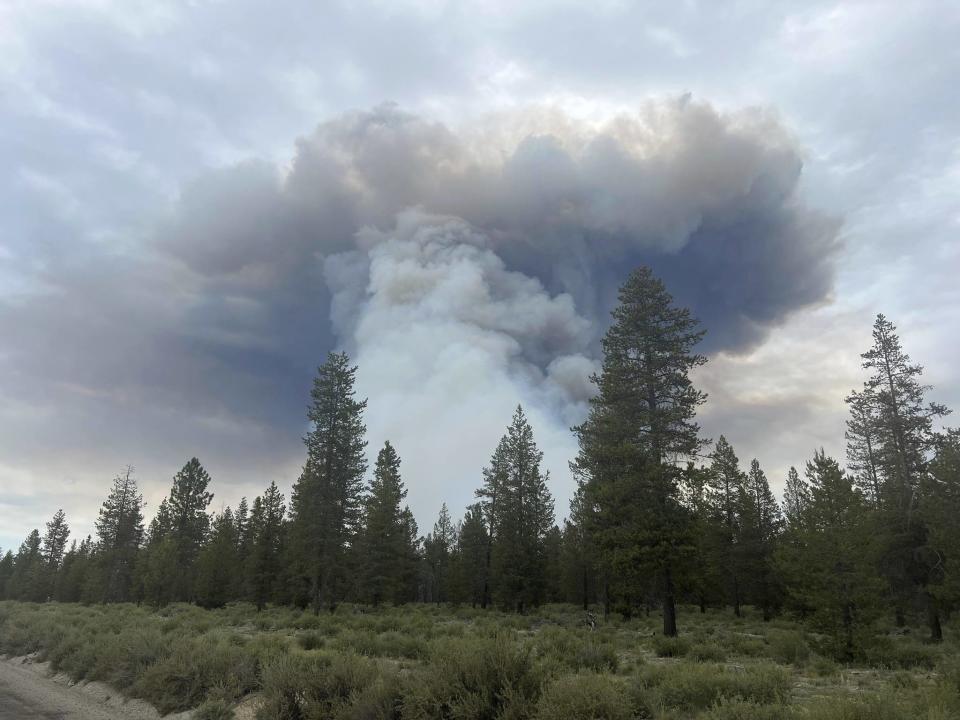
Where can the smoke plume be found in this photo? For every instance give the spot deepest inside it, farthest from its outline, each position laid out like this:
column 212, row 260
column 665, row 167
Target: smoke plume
column 465, row 271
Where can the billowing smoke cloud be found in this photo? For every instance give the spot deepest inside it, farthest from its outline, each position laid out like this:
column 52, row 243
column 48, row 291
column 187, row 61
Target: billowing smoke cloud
column 710, row 200
column 449, row 341
column 465, row 271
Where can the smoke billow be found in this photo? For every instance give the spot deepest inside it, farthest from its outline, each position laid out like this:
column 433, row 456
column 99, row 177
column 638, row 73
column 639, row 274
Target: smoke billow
column 464, row 270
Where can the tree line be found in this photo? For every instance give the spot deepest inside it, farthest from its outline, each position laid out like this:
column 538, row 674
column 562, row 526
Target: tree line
column 660, row 515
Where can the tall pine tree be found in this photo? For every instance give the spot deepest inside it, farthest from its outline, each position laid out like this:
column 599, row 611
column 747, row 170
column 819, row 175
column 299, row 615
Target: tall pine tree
column 831, row 570
column 438, row 547
column 217, row 565
column 522, row 517
column 796, row 498
column 189, row 524
column 901, row 422
column 325, row 506
column 54, row 548
column 119, row 527
column 384, row 550
column 267, row 533
column 762, row 522
column 727, row 484
column 641, row 426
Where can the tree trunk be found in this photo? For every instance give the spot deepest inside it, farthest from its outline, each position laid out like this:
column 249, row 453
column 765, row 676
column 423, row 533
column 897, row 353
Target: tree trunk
column 933, row 619
column 586, row 591
column 485, row 600
column 848, row 630
column 315, row 593
column 765, row 598
column 669, row 605
column 899, row 619
column 736, row 597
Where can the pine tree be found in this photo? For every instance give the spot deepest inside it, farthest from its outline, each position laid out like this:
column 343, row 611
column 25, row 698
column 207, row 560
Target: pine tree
column 796, row 498
column 832, row 571
column 384, row 545
column 490, row 496
column 902, row 424
column 472, row 544
column 241, row 519
column 71, row 580
column 6, row 572
column 579, row 566
column 166, row 569
column 726, row 485
column 792, row 544
column 413, row 554
column 863, row 444
column 706, row 579
column 940, row 509
column 119, row 529
column 217, row 564
column 55, row 540
column 640, row 425
column 266, row 545
column 54, row 547
column 438, row 547
column 26, row 579
column 553, row 566
column 326, row 503
column 522, row 517
column 161, row 525
column 762, row 523
column 189, row 523
column 157, row 564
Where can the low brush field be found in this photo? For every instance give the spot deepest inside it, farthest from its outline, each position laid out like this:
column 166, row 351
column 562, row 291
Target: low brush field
column 424, row 662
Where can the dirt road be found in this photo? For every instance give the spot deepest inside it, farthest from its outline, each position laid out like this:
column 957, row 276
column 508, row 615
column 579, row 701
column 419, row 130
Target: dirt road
column 27, row 692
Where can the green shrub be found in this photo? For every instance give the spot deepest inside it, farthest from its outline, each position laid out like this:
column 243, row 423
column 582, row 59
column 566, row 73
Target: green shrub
column 380, row 700
column 824, row 667
column 576, row 649
column 477, row 678
column 389, row 643
column 182, row 679
column 214, row 709
column 884, row 652
column 689, row 686
column 748, row 710
column 123, row 657
column 707, row 652
column 315, row 685
column 869, row 707
column 311, row 640
column 788, row 647
column 396, row 644
column 670, row 646
column 586, row 696
column 903, row 680
column 742, row 644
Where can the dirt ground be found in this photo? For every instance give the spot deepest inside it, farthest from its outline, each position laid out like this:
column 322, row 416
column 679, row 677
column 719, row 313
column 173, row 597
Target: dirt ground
column 29, row 692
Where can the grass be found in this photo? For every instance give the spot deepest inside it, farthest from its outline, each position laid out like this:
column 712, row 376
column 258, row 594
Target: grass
column 420, row 663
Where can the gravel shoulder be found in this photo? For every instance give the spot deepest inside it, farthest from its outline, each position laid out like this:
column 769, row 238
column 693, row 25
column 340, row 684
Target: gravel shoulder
column 28, row 691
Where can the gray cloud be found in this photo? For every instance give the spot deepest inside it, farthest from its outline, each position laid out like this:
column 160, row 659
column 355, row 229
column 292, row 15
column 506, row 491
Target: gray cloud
column 466, row 270
column 710, row 199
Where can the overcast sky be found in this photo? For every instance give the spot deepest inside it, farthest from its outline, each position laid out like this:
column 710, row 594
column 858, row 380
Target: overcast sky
column 200, row 199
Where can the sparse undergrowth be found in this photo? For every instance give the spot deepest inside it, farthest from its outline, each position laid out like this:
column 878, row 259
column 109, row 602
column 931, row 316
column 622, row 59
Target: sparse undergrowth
column 424, row 662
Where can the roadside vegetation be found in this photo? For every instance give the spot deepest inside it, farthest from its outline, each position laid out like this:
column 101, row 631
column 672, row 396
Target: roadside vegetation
column 422, row 661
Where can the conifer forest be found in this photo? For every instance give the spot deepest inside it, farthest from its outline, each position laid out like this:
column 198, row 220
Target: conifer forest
column 676, row 584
